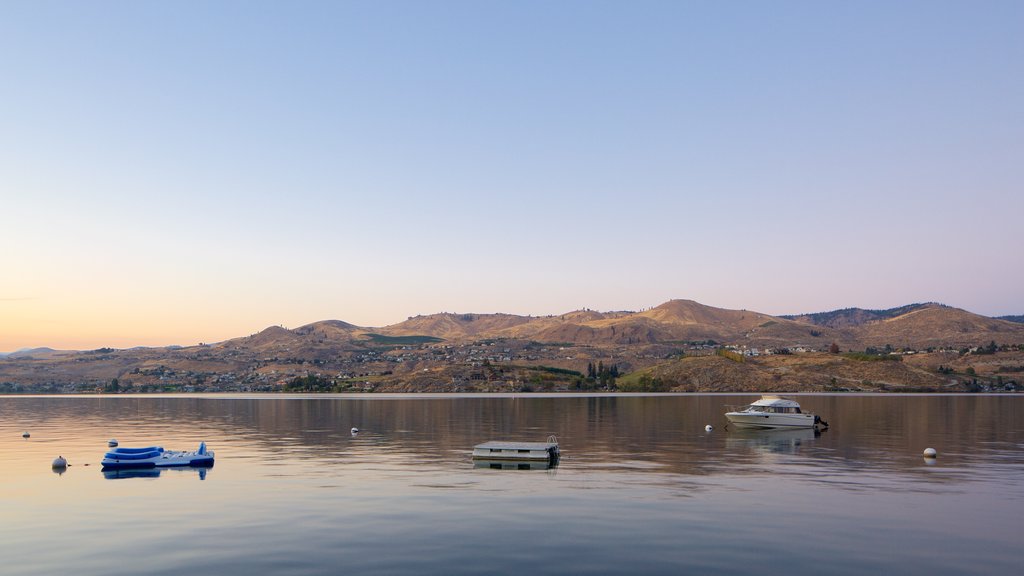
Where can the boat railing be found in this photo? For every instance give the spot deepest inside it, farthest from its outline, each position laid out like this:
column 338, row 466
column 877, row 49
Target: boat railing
column 737, row 407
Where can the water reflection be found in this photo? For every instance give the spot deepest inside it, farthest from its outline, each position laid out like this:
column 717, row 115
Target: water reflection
column 771, row 441
column 514, row 465
column 123, row 473
column 666, row 432
column 641, row 486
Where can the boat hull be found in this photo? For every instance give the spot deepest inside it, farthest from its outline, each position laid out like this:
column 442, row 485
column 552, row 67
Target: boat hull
column 769, row 421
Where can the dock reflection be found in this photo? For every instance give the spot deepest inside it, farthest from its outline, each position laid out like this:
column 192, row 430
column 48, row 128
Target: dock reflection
column 515, row 465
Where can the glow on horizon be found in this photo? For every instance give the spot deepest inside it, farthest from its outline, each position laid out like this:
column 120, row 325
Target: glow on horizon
column 175, row 174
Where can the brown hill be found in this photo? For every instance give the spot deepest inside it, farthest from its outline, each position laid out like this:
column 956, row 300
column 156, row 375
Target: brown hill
column 689, row 321
column 272, row 337
column 935, row 325
column 533, row 350
column 853, row 317
column 813, row 372
column 455, row 326
column 315, row 340
column 675, row 322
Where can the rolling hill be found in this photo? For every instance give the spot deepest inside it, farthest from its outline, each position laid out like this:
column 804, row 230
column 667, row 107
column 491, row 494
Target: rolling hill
column 448, row 350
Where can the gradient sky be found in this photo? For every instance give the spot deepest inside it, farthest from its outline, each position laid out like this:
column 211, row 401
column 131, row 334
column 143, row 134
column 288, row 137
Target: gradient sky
column 184, row 172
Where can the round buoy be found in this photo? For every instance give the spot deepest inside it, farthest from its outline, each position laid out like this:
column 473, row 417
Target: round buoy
column 930, row 453
column 112, row 442
column 708, row 428
column 25, row 434
column 355, row 430
column 60, row 462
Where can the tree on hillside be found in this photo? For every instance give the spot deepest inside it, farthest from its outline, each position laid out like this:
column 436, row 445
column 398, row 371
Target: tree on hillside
column 834, row 348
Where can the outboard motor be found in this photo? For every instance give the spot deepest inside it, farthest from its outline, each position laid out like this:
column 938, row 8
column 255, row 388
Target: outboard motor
column 202, row 448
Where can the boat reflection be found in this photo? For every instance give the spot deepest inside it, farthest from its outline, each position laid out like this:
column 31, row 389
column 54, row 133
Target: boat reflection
column 120, row 474
column 515, row 464
column 771, row 441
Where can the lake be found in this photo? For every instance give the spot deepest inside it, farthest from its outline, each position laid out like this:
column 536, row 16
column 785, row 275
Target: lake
column 641, row 486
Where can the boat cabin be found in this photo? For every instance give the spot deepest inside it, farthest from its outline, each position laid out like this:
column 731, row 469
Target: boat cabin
column 774, row 405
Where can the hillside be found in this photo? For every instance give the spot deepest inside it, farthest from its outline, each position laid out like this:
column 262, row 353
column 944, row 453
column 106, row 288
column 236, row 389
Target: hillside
column 851, row 317
column 936, row 326
column 814, row 372
column 455, row 326
column 487, row 352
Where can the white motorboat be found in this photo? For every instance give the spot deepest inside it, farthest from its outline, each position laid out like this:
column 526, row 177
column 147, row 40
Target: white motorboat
column 772, row 412
column 156, row 457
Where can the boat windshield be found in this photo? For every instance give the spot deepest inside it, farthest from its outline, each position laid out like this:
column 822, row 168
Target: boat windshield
column 773, row 409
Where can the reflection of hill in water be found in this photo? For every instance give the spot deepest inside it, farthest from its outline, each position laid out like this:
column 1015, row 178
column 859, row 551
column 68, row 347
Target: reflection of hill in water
column 658, row 434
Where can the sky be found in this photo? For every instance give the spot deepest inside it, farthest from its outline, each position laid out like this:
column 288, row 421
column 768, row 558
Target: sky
column 185, row 172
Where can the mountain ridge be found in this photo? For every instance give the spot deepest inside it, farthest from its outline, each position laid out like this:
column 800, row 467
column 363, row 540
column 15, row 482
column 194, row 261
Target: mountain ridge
column 845, row 317
column 501, row 352
column 674, row 320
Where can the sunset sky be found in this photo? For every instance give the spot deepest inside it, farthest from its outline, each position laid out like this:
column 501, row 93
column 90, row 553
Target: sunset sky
column 185, row 172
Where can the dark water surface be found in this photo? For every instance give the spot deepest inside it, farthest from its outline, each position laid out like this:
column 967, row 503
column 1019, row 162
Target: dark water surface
column 642, row 488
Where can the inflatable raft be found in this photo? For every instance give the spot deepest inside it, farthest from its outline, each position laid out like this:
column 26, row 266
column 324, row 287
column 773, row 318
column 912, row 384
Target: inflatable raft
column 156, row 457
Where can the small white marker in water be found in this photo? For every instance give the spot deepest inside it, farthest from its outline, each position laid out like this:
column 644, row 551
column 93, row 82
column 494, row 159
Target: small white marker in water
column 355, row 430
column 112, row 442
column 60, row 462
column 708, row 428
column 930, row 453
column 25, row 434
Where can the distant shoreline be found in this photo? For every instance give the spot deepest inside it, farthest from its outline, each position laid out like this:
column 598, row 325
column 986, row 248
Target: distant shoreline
column 506, row 395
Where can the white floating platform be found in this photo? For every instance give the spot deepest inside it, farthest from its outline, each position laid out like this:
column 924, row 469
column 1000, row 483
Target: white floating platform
column 531, row 451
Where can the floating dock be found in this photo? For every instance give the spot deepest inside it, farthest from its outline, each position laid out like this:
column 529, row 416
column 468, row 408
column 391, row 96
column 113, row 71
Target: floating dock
column 523, row 451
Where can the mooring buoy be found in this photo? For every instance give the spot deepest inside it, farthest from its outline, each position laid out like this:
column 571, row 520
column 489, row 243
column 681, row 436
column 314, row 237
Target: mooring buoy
column 112, row 442
column 25, row 434
column 60, row 463
column 930, row 453
column 708, row 428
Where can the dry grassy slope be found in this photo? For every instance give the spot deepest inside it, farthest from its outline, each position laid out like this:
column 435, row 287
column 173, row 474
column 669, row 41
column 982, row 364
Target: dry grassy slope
column 603, row 332
column 272, row 337
column 455, row 326
column 687, row 320
column 312, row 340
column 791, row 373
column 939, row 326
column 688, row 312
column 677, row 320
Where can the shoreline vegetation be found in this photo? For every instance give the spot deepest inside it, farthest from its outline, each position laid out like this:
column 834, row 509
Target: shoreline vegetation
column 724, row 370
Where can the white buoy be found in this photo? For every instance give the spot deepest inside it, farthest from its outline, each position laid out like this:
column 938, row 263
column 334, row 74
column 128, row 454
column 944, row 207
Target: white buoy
column 112, row 442
column 708, row 428
column 60, row 462
column 930, row 453
column 355, row 430
column 25, row 434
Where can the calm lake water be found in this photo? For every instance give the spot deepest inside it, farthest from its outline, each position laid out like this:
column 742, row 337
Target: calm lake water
column 641, row 487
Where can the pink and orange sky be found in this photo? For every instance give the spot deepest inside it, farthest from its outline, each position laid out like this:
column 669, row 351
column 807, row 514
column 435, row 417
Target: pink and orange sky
column 184, row 173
